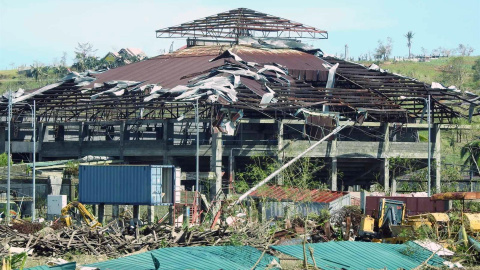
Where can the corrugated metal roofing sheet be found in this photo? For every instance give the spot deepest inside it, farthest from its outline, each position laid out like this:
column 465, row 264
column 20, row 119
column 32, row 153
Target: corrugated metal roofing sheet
column 364, row 255
column 296, row 194
column 170, row 70
column 218, row 257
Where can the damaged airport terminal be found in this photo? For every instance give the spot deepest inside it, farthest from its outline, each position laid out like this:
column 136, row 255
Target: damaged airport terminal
column 259, row 90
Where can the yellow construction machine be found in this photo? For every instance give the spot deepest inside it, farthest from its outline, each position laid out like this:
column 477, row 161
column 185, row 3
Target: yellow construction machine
column 390, row 221
column 470, row 220
column 87, row 216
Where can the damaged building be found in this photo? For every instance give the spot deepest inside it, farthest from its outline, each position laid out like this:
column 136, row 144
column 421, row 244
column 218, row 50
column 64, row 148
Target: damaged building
column 256, row 89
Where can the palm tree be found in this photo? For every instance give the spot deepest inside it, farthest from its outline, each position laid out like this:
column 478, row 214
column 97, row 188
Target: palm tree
column 409, row 37
column 36, row 70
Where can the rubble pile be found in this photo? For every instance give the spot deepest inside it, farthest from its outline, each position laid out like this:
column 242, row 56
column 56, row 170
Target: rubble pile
column 114, row 240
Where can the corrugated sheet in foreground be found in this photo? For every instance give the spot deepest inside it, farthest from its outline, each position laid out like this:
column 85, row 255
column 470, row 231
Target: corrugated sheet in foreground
column 208, row 258
column 363, row 255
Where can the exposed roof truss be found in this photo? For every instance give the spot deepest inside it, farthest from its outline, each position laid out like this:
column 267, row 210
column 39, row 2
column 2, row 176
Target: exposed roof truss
column 242, row 22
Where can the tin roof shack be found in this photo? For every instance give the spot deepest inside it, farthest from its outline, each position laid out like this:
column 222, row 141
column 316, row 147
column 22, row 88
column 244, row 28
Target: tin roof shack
column 276, row 201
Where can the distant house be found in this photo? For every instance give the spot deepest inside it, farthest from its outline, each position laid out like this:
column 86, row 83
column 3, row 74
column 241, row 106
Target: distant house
column 111, row 57
column 133, row 52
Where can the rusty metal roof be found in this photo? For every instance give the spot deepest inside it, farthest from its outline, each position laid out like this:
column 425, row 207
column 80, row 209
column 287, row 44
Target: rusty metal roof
column 291, row 59
column 180, row 66
column 166, row 71
column 281, row 193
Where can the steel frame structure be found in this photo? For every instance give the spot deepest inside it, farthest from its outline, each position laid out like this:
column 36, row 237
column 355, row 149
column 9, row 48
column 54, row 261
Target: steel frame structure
column 242, row 22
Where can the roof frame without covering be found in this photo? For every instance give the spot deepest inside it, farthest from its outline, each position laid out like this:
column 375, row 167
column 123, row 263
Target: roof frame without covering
column 242, row 22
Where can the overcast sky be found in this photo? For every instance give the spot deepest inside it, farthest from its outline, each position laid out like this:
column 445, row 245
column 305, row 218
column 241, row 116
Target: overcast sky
column 42, row 30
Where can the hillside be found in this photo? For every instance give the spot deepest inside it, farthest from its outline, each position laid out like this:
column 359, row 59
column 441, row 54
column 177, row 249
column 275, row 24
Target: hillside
column 433, row 71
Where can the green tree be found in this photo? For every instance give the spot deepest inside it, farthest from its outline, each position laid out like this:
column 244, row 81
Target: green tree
column 471, row 153
column 409, row 35
column 85, row 57
column 36, row 70
column 476, row 70
column 383, row 51
column 455, row 72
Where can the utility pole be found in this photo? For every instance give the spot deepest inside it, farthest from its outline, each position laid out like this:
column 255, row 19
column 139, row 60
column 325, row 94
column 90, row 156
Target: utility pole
column 346, row 51
column 34, row 121
column 9, row 160
column 197, row 161
column 429, row 193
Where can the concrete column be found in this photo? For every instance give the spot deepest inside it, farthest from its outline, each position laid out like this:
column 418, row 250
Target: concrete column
column 216, row 163
column 151, row 214
column 115, row 211
column 101, row 212
column 171, row 216
column 2, row 139
column 41, row 135
column 136, row 211
column 438, row 158
column 385, row 144
column 81, row 136
column 95, row 209
column 122, row 138
column 280, row 151
column 167, row 134
column 333, row 175
column 262, row 213
column 386, row 174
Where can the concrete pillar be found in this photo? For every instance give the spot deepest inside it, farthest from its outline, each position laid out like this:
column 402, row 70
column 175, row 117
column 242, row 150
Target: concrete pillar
column 386, row 174
column 115, row 211
column 60, row 133
column 363, row 201
column 171, row 215
column 262, row 213
column 151, row 214
column 123, row 130
column 2, row 139
column 216, row 163
column 95, row 210
column 333, row 175
column 136, row 211
column 167, row 136
column 438, row 158
column 280, row 151
column 81, row 136
column 41, row 135
column 101, row 212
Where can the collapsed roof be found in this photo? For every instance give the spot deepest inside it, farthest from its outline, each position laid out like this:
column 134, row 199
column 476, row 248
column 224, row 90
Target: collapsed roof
column 276, row 78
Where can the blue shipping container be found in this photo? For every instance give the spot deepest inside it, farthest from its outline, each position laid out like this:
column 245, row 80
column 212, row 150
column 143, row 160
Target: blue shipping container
column 127, row 185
